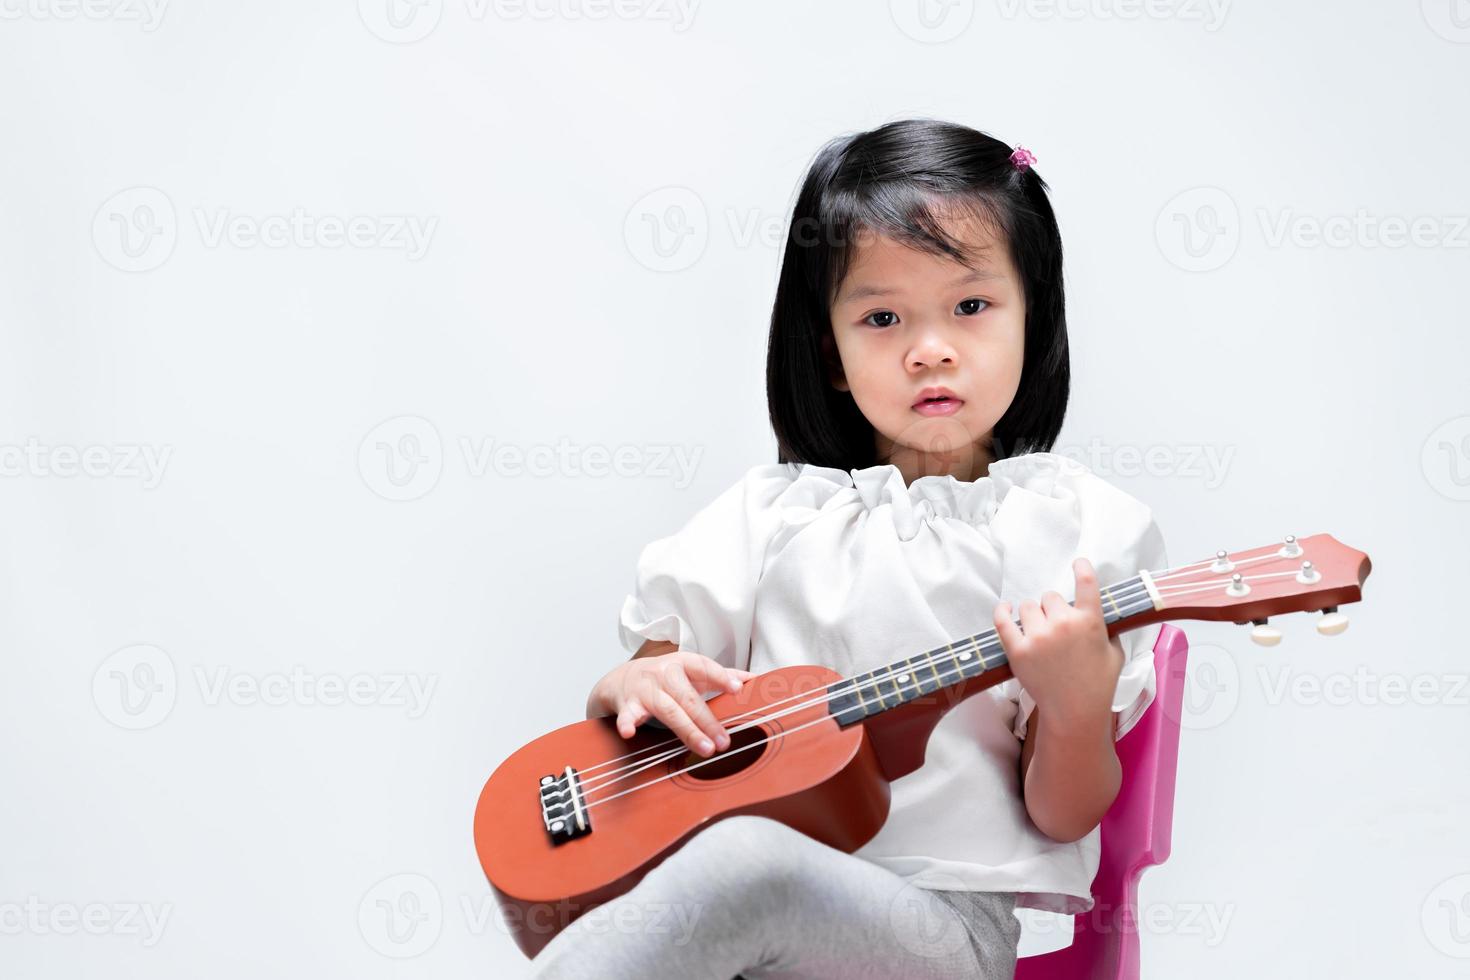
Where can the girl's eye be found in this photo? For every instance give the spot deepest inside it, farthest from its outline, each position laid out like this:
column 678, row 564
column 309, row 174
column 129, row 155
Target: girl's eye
column 968, row 307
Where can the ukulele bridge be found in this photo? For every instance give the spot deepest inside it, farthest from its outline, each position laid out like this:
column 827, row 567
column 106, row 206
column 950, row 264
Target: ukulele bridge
column 564, row 807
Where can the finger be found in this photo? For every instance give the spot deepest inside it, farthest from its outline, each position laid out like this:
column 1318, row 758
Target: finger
column 678, row 686
column 630, row 717
column 668, row 710
column 710, row 674
column 633, row 687
column 1005, row 628
column 623, row 706
column 1033, row 620
column 1089, row 600
column 643, row 692
column 1052, row 604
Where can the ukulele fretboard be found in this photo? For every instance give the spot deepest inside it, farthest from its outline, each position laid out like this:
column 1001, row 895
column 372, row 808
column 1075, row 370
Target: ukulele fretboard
column 864, row 695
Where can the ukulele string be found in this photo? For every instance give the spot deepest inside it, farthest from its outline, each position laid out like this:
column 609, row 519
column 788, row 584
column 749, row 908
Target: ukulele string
column 986, row 644
column 1126, row 594
column 957, row 672
column 1184, row 569
column 983, row 644
column 1128, row 591
column 945, row 676
column 1207, row 586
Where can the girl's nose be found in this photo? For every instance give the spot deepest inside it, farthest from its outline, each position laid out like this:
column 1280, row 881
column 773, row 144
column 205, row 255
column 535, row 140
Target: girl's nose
column 931, row 350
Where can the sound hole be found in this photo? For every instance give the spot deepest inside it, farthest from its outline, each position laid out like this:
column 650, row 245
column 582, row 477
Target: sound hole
column 730, row 761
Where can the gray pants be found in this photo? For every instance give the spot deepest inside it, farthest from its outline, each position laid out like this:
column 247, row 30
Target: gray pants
column 749, row 896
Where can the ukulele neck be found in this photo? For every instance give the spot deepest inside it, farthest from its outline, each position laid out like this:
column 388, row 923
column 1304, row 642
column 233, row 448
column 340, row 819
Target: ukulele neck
column 954, row 665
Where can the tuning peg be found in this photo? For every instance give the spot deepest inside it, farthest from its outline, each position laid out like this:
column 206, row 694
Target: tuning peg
column 1332, row 622
column 1266, row 636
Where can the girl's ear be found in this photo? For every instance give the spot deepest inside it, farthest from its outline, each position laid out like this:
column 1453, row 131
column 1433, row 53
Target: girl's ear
column 835, row 373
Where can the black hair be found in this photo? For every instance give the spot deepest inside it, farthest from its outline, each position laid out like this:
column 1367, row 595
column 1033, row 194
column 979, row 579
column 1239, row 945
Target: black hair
column 900, row 180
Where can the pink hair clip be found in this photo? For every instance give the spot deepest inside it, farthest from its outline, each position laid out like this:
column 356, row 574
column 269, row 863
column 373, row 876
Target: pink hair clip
column 1023, row 158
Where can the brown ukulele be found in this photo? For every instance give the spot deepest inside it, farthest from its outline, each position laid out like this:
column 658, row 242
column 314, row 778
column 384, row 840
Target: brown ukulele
column 579, row 815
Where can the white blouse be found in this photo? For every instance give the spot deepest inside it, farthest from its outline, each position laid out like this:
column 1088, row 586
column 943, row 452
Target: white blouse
column 798, row 563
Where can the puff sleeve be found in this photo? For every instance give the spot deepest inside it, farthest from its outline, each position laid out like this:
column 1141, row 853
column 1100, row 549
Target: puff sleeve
column 696, row 587
column 1119, row 535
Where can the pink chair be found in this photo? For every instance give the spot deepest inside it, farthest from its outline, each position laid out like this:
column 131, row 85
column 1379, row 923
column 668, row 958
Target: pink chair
column 1135, row 834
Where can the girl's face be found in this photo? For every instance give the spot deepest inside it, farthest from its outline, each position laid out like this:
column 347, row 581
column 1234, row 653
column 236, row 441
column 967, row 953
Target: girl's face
column 904, row 320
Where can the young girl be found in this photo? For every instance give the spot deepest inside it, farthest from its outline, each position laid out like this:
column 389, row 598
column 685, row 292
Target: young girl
column 917, row 378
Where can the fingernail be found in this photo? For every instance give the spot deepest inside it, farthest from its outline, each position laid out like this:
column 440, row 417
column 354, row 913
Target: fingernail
column 706, row 746
column 724, row 742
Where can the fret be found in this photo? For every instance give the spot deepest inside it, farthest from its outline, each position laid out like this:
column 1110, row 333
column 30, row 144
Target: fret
column 932, row 682
column 929, row 658
column 972, row 647
column 891, row 676
column 910, row 681
column 881, row 675
column 841, row 703
column 959, row 665
column 977, row 656
column 1120, row 597
column 963, row 669
column 873, row 682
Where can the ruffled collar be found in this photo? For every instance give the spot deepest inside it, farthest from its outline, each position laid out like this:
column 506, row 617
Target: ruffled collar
column 928, row 497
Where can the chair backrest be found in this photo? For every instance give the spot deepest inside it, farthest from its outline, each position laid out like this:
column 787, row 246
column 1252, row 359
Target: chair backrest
column 1135, row 834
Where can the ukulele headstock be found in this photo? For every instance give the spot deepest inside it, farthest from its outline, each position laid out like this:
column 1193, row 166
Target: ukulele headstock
column 1314, row 573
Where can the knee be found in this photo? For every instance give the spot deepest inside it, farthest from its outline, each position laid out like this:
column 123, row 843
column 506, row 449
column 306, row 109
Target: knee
column 742, row 836
column 741, row 830
column 750, row 857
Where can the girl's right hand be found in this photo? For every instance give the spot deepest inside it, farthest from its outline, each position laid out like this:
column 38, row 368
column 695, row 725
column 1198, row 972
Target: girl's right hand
column 668, row 687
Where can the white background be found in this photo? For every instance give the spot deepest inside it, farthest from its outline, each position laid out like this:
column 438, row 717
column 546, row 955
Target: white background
column 281, row 389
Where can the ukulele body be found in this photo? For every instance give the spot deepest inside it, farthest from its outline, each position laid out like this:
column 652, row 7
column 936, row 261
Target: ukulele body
column 822, row 779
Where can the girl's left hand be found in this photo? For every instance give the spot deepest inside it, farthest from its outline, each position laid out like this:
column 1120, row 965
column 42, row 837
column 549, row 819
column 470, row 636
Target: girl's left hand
column 1062, row 655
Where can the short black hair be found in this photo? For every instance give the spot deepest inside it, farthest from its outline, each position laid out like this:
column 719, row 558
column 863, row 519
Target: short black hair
column 899, row 180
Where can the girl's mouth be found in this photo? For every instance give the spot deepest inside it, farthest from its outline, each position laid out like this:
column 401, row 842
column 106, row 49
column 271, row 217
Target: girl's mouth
column 938, row 406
